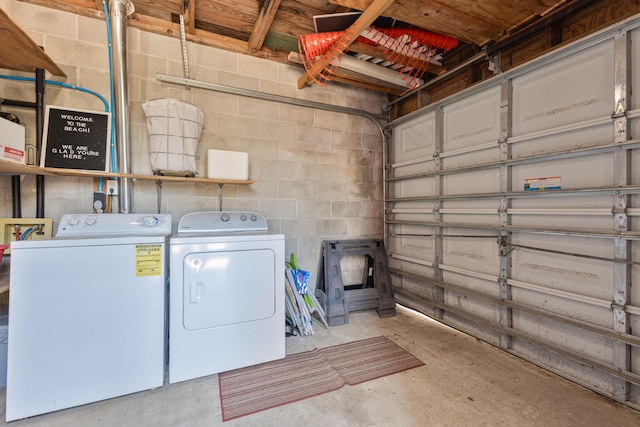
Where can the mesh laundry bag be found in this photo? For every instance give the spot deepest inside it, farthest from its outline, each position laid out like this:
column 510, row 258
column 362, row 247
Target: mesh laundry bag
column 174, row 128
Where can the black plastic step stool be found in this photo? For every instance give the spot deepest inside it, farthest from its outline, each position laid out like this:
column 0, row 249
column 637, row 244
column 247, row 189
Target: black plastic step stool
column 374, row 292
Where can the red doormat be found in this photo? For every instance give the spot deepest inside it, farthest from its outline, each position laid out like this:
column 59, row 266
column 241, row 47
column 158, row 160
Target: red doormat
column 299, row 376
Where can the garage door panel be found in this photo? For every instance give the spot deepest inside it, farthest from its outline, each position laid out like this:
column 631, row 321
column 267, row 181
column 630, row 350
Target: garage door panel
column 573, row 339
column 487, row 334
column 576, row 173
column 474, row 254
column 598, row 204
column 473, row 120
column 420, row 167
column 486, row 155
column 575, row 370
column 472, row 205
column 414, row 140
column 557, row 142
column 482, row 181
column 409, row 241
column 579, row 276
column 573, row 89
column 564, row 222
column 418, row 288
column 599, row 316
column 477, row 307
column 413, row 205
column 413, row 188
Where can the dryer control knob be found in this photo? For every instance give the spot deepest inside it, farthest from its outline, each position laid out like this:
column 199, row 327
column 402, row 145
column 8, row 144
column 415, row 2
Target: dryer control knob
column 90, row 221
column 243, row 217
column 150, row 221
column 224, row 217
column 254, row 217
column 74, row 221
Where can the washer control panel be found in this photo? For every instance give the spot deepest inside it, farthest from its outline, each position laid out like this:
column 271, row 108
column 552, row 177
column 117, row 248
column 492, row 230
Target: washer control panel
column 111, row 224
column 224, row 221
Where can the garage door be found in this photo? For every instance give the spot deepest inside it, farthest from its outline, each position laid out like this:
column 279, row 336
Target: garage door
column 513, row 211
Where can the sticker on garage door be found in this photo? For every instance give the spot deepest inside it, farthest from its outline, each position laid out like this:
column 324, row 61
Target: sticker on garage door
column 540, row 184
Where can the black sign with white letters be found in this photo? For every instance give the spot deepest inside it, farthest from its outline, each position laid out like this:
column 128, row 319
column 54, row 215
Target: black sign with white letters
column 76, row 139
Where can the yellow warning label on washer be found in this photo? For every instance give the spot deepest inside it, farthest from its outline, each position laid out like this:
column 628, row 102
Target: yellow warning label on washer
column 148, row 260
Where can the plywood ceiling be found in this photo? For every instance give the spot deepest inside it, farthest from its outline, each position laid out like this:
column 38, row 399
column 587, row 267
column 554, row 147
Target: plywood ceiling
column 270, row 28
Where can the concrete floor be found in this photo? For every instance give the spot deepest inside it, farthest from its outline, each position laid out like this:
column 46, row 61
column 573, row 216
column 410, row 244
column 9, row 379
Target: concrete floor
column 464, row 383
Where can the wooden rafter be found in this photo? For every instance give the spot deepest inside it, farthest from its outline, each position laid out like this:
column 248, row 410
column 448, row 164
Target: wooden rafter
column 190, row 16
column 362, row 23
column 263, row 23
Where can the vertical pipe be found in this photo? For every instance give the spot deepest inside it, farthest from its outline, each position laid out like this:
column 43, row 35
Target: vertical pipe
column 39, row 133
column 118, row 15
column 15, row 195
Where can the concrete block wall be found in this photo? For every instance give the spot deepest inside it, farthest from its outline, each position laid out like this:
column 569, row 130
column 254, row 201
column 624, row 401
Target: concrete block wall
column 318, row 174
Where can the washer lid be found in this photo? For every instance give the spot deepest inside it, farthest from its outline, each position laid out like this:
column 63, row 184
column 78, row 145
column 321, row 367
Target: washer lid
column 222, row 222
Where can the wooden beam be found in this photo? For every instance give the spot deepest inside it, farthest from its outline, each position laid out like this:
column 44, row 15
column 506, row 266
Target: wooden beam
column 263, row 23
column 189, row 16
column 362, row 23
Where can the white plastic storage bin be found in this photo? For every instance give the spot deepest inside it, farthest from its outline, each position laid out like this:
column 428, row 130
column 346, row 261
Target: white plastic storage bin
column 227, row 165
column 174, row 128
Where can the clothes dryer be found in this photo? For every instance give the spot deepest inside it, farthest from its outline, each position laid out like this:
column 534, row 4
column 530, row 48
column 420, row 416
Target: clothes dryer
column 226, row 294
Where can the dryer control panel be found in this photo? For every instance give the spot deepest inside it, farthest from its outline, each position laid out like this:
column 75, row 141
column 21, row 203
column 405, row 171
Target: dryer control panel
column 222, row 221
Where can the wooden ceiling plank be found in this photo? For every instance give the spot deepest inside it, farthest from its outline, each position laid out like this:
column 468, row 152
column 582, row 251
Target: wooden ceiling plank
column 363, row 22
column 503, row 14
column 206, row 38
column 541, row 7
column 441, row 20
column 263, row 23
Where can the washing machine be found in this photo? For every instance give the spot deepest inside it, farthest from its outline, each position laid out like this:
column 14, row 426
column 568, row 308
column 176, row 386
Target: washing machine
column 226, row 294
column 87, row 312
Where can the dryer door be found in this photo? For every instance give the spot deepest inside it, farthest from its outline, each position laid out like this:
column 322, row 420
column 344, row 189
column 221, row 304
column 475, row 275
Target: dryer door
column 228, row 287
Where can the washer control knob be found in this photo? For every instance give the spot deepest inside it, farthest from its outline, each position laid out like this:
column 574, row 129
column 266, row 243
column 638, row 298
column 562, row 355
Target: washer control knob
column 150, row 221
column 74, row 221
column 224, row 217
column 90, row 221
column 254, row 217
column 243, row 217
